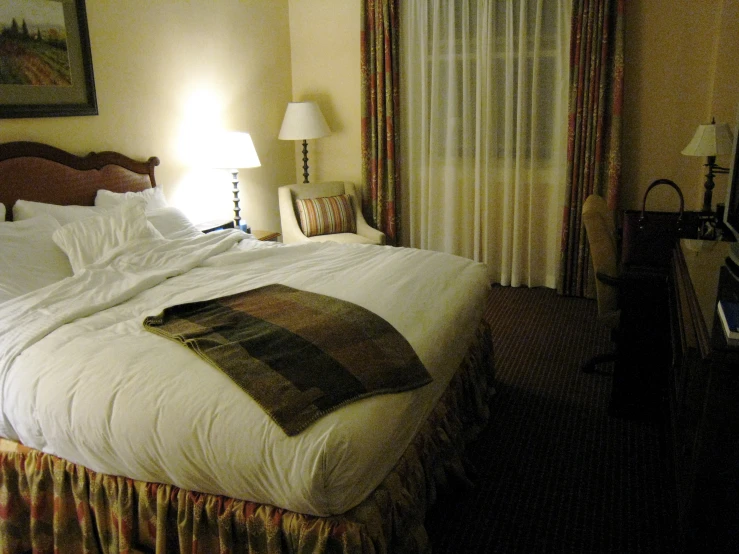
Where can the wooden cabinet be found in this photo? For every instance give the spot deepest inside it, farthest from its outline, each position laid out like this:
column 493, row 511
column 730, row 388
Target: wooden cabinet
column 266, row 235
column 215, row 225
column 704, row 399
column 218, row 224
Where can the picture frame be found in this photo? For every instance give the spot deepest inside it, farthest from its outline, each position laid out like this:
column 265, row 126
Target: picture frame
column 54, row 78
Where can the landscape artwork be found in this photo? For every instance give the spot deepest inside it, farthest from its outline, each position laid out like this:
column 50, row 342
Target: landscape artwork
column 33, row 44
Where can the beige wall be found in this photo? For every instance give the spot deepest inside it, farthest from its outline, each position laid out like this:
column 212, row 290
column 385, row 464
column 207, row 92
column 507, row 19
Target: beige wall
column 324, row 37
column 680, row 70
column 248, row 58
column 168, row 70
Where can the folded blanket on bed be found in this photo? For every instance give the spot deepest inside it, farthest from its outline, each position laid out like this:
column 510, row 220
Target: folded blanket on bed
column 298, row 354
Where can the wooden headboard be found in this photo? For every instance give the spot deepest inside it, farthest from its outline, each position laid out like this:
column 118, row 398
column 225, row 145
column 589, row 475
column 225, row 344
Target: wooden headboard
column 43, row 173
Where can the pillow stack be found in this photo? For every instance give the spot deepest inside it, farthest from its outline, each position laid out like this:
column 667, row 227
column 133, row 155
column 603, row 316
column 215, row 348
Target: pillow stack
column 47, row 242
column 97, row 239
column 168, row 220
column 29, row 258
column 25, row 209
column 153, row 197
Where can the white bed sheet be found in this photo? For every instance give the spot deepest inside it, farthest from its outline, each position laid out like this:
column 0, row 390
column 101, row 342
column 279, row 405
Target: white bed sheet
column 82, row 379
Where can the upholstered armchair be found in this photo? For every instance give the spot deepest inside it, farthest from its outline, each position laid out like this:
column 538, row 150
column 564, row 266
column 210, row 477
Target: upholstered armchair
column 320, row 212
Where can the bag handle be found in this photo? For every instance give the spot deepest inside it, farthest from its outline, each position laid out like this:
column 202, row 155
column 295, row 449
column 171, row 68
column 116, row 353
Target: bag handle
column 643, row 216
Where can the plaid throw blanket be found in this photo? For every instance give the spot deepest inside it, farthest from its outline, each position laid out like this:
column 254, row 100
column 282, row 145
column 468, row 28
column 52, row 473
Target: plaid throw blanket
column 298, row 354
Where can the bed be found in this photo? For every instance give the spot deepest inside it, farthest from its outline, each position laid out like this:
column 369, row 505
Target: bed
column 115, row 439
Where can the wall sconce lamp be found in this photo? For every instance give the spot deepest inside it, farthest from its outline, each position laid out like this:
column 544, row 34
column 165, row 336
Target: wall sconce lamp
column 710, row 141
column 233, row 150
column 303, row 121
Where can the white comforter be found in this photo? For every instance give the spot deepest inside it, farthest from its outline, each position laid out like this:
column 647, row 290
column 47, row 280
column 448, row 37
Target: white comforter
column 82, row 379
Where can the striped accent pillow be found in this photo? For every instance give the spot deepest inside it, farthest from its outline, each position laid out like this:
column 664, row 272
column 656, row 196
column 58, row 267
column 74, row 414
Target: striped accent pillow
column 327, row 215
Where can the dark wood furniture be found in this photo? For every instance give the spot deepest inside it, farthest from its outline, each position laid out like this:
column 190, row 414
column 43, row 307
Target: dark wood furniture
column 265, row 235
column 218, row 224
column 55, row 176
column 697, row 223
column 215, row 225
column 703, row 393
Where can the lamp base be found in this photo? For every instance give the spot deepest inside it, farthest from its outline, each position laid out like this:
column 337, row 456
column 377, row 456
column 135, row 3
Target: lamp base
column 713, row 170
column 237, row 209
column 305, row 161
column 708, row 185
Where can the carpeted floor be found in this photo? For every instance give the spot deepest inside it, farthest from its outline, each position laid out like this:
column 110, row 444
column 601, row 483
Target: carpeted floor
column 556, row 473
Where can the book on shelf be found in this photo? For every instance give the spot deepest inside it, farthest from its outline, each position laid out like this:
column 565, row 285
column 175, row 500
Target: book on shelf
column 728, row 313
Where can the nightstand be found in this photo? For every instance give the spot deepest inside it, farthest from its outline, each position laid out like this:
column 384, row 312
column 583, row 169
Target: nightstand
column 266, row 235
column 214, row 225
column 218, row 224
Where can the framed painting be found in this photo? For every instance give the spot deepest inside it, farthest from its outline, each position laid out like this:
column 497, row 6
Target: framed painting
column 45, row 59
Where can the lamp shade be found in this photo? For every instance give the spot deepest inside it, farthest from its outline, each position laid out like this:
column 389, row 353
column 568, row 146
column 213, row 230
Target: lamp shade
column 302, row 121
column 710, row 140
column 233, row 150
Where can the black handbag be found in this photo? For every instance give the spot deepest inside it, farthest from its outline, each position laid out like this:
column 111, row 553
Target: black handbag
column 649, row 238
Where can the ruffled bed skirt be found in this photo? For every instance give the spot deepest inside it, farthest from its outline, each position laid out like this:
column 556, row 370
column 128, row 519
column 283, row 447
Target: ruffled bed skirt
column 48, row 504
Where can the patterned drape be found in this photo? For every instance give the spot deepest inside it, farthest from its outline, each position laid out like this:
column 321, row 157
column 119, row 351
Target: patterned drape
column 380, row 97
column 594, row 139
column 48, row 504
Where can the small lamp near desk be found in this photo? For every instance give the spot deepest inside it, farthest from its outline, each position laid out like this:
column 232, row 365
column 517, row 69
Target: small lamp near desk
column 303, row 121
column 233, row 150
column 710, row 141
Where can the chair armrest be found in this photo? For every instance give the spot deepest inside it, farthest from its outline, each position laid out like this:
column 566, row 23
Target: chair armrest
column 364, row 229
column 608, row 279
column 291, row 232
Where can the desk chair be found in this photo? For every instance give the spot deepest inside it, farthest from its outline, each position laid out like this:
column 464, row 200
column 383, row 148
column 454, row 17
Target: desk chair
column 347, row 224
column 632, row 304
column 600, row 228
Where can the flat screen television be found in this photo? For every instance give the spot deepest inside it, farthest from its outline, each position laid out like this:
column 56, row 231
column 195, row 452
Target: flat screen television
column 731, row 210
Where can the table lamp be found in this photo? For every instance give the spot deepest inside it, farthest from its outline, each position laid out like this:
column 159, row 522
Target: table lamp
column 233, row 150
column 303, row 121
column 710, row 141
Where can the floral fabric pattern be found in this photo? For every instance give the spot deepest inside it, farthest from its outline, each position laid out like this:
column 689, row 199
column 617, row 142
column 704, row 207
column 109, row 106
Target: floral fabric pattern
column 594, row 134
column 48, row 504
column 380, row 113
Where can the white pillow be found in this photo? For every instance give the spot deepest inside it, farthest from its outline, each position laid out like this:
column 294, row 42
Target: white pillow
column 154, row 198
column 96, row 239
column 172, row 223
column 2, row 213
column 25, row 209
column 29, row 258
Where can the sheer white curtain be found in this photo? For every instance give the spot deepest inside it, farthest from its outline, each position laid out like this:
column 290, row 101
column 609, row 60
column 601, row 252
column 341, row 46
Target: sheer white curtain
column 484, row 127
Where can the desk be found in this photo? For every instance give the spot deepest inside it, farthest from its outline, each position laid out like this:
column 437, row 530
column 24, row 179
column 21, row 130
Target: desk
column 703, row 389
column 693, row 221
